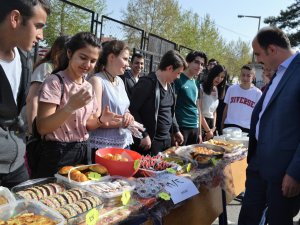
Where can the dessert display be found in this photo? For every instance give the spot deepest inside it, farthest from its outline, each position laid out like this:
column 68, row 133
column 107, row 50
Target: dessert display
column 71, row 202
column 111, row 189
column 40, row 191
column 156, row 163
column 80, row 173
column 228, row 146
column 28, row 219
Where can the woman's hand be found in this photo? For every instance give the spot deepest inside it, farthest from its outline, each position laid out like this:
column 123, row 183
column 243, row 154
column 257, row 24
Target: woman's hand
column 209, row 135
column 109, row 117
column 79, row 99
column 127, row 119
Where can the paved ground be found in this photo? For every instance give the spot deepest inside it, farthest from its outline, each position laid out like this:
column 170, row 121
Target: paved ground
column 233, row 210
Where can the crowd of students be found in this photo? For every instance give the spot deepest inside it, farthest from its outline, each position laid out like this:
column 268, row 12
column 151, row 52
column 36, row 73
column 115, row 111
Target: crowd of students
column 82, row 97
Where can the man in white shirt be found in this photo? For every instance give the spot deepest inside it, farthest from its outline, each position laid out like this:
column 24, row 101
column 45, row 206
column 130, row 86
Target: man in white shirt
column 240, row 100
column 21, row 25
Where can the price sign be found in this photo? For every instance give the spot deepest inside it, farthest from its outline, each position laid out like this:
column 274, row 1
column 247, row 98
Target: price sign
column 165, row 196
column 92, row 217
column 125, row 197
column 136, row 164
column 180, row 188
column 188, row 168
column 94, row 176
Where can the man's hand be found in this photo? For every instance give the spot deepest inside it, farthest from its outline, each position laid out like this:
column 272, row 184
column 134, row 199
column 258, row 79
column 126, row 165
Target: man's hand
column 178, row 138
column 145, row 143
column 290, row 186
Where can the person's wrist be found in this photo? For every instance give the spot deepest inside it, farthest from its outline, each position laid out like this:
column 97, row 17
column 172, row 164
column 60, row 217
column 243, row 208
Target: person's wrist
column 68, row 109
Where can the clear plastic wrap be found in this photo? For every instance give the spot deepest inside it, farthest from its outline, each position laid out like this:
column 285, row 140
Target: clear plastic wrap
column 110, row 189
column 72, row 219
column 21, row 207
column 6, row 197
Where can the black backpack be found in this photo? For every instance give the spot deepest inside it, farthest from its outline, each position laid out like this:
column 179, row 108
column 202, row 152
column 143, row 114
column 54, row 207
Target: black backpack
column 33, row 143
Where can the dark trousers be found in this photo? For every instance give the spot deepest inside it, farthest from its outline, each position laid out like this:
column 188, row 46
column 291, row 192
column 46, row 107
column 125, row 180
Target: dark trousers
column 14, row 178
column 261, row 194
column 159, row 146
column 190, row 135
column 210, row 123
column 55, row 155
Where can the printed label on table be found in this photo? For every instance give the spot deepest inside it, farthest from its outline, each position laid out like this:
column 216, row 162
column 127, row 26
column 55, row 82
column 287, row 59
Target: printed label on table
column 179, row 188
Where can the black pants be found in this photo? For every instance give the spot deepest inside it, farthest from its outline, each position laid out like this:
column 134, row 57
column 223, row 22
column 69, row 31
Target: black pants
column 190, row 135
column 55, row 155
column 159, row 146
column 14, row 178
column 210, row 123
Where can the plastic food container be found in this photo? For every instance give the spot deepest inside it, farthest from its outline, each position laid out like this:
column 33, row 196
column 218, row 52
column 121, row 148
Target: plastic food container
column 240, row 140
column 119, row 168
column 78, row 217
column 27, row 206
column 110, row 189
column 67, row 178
column 233, row 131
column 6, row 197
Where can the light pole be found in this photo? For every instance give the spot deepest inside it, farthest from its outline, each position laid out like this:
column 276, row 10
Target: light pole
column 255, row 17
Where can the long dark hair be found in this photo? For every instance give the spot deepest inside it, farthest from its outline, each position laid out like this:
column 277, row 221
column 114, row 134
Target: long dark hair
column 78, row 41
column 208, row 83
column 55, row 52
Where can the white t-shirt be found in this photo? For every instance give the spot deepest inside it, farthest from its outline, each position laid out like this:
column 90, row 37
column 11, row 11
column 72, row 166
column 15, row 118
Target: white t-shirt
column 240, row 104
column 13, row 70
column 209, row 103
column 41, row 72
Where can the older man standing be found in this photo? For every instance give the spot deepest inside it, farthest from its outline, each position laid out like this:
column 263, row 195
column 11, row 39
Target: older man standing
column 273, row 173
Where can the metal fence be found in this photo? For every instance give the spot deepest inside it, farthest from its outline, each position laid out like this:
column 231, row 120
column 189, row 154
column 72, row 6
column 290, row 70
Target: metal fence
column 114, row 29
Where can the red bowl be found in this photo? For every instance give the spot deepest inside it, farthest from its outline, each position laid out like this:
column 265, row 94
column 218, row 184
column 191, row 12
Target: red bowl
column 121, row 168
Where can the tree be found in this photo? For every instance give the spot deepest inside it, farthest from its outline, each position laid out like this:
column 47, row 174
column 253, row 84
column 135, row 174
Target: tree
column 185, row 28
column 288, row 19
column 66, row 19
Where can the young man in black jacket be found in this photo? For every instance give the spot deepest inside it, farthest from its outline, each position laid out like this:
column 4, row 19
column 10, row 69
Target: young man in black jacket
column 21, row 26
column 153, row 105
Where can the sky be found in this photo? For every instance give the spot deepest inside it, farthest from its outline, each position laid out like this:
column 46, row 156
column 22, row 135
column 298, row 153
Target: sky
column 223, row 13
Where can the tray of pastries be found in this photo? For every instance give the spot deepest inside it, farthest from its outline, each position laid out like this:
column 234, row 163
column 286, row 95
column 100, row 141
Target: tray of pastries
column 201, row 153
column 29, row 212
column 81, row 174
column 110, row 189
column 153, row 166
column 70, row 201
column 227, row 145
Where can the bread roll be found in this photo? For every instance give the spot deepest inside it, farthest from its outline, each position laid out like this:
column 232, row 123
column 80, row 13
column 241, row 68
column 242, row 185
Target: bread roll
column 99, row 169
column 65, row 170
